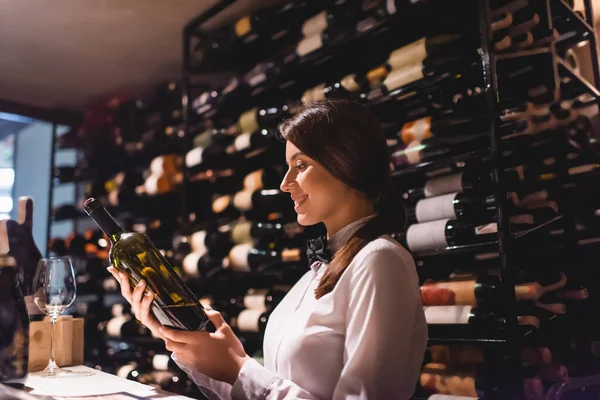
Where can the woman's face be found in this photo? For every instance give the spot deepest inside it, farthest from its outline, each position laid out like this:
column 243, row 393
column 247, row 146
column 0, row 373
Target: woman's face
column 318, row 196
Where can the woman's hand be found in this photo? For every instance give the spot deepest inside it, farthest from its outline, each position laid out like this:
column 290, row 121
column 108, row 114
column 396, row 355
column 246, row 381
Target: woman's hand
column 218, row 355
column 140, row 300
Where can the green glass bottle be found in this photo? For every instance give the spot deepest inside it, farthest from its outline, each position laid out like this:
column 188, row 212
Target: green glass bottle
column 174, row 304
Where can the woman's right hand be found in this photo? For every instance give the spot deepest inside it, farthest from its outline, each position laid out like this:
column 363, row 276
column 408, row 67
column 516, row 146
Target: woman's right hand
column 140, row 299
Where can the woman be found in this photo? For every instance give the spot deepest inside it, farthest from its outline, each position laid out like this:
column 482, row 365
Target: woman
column 352, row 327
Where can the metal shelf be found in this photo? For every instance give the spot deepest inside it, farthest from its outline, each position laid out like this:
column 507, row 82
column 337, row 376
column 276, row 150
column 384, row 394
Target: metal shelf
column 584, row 85
column 575, row 27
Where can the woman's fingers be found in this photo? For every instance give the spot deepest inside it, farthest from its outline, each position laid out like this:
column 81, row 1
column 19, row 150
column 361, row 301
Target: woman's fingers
column 145, row 311
column 125, row 288
column 136, row 298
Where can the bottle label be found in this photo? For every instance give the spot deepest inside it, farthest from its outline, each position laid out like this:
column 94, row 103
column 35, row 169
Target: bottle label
column 190, row 264
column 318, row 92
column 243, row 200
column 197, row 242
column 390, row 5
column 241, row 233
column 194, row 157
column 449, row 293
column 125, row 370
column 248, row 122
column 416, row 130
column 447, row 314
column 427, row 235
column 247, row 320
column 309, row 44
column 221, row 203
column 434, row 208
column 238, row 257
column 435, row 378
column 315, row 25
column 242, row 141
column 255, row 300
column 243, row 26
column 403, row 76
column 412, row 53
column 161, row 362
column 444, row 184
column 528, row 291
column 349, row 83
column 290, row 255
column 257, row 79
column 113, row 327
column 413, row 152
column 486, row 229
column 450, row 397
column 253, row 181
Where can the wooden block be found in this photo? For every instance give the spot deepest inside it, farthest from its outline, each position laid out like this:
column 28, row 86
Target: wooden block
column 68, row 342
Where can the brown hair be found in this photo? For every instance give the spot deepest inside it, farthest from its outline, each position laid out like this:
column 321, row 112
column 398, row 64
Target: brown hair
column 347, row 139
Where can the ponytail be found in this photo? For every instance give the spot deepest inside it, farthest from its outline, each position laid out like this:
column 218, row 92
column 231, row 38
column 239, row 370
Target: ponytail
column 389, row 218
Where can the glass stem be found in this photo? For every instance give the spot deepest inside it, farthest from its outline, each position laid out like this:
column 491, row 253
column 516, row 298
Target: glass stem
column 52, row 367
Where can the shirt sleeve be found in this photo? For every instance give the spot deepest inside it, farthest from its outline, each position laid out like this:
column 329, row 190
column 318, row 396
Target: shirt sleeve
column 211, row 388
column 377, row 344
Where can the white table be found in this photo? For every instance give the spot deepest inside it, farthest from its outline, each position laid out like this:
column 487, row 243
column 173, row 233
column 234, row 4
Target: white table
column 99, row 386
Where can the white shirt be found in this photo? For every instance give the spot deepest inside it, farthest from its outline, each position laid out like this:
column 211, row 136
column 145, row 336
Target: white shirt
column 363, row 340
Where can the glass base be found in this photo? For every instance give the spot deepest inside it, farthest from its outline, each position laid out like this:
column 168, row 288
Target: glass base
column 53, row 371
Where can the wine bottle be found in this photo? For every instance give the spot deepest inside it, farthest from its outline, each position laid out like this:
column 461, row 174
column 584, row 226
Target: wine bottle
column 462, row 206
column 248, row 141
column 123, row 326
column 265, row 204
column 164, row 362
column 250, row 320
column 429, row 48
column 438, row 378
column 483, row 292
column 201, row 265
column 470, row 180
column 256, row 118
column 246, row 258
column 174, row 303
column 463, row 356
column 22, row 247
column 340, row 15
column 427, row 127
column 264, row 178
column 14, row 324
column 223, row 208
column 442, row 233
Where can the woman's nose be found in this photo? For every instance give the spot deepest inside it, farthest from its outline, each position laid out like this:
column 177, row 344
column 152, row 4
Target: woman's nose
column 286, row 183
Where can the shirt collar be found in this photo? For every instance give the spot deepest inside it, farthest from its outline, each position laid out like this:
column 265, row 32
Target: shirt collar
column 338, row 239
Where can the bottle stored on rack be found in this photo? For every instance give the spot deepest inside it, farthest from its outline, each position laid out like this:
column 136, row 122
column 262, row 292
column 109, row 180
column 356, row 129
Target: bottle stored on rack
column 263, row 205
column 14, row 324
column 463, row 206
column 464, row 356
column 174, row 304
column 256, row 118
column 437, row 148
column 470, row 180
column 439, row 234
column 245, row 257
column 483, row 292
column 250, row 320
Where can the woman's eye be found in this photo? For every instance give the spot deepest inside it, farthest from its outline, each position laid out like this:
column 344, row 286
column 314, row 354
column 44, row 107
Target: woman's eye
column 300, row 166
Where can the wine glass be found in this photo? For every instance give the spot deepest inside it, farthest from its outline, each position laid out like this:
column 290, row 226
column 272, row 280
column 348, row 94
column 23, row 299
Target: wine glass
column 54, row 291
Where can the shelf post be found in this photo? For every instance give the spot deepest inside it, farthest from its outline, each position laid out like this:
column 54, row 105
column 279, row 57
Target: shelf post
column 514, row 377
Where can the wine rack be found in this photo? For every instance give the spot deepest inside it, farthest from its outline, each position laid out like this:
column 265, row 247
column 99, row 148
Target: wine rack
column 287, row 76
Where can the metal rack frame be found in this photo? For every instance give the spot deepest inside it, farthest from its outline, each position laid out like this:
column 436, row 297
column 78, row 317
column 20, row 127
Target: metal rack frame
column 505, row 244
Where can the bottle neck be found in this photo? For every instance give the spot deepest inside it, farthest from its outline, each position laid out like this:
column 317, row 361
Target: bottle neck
column 107, row 224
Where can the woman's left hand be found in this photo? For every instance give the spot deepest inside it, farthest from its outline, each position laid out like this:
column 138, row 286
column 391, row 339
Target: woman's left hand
column 218, row 355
